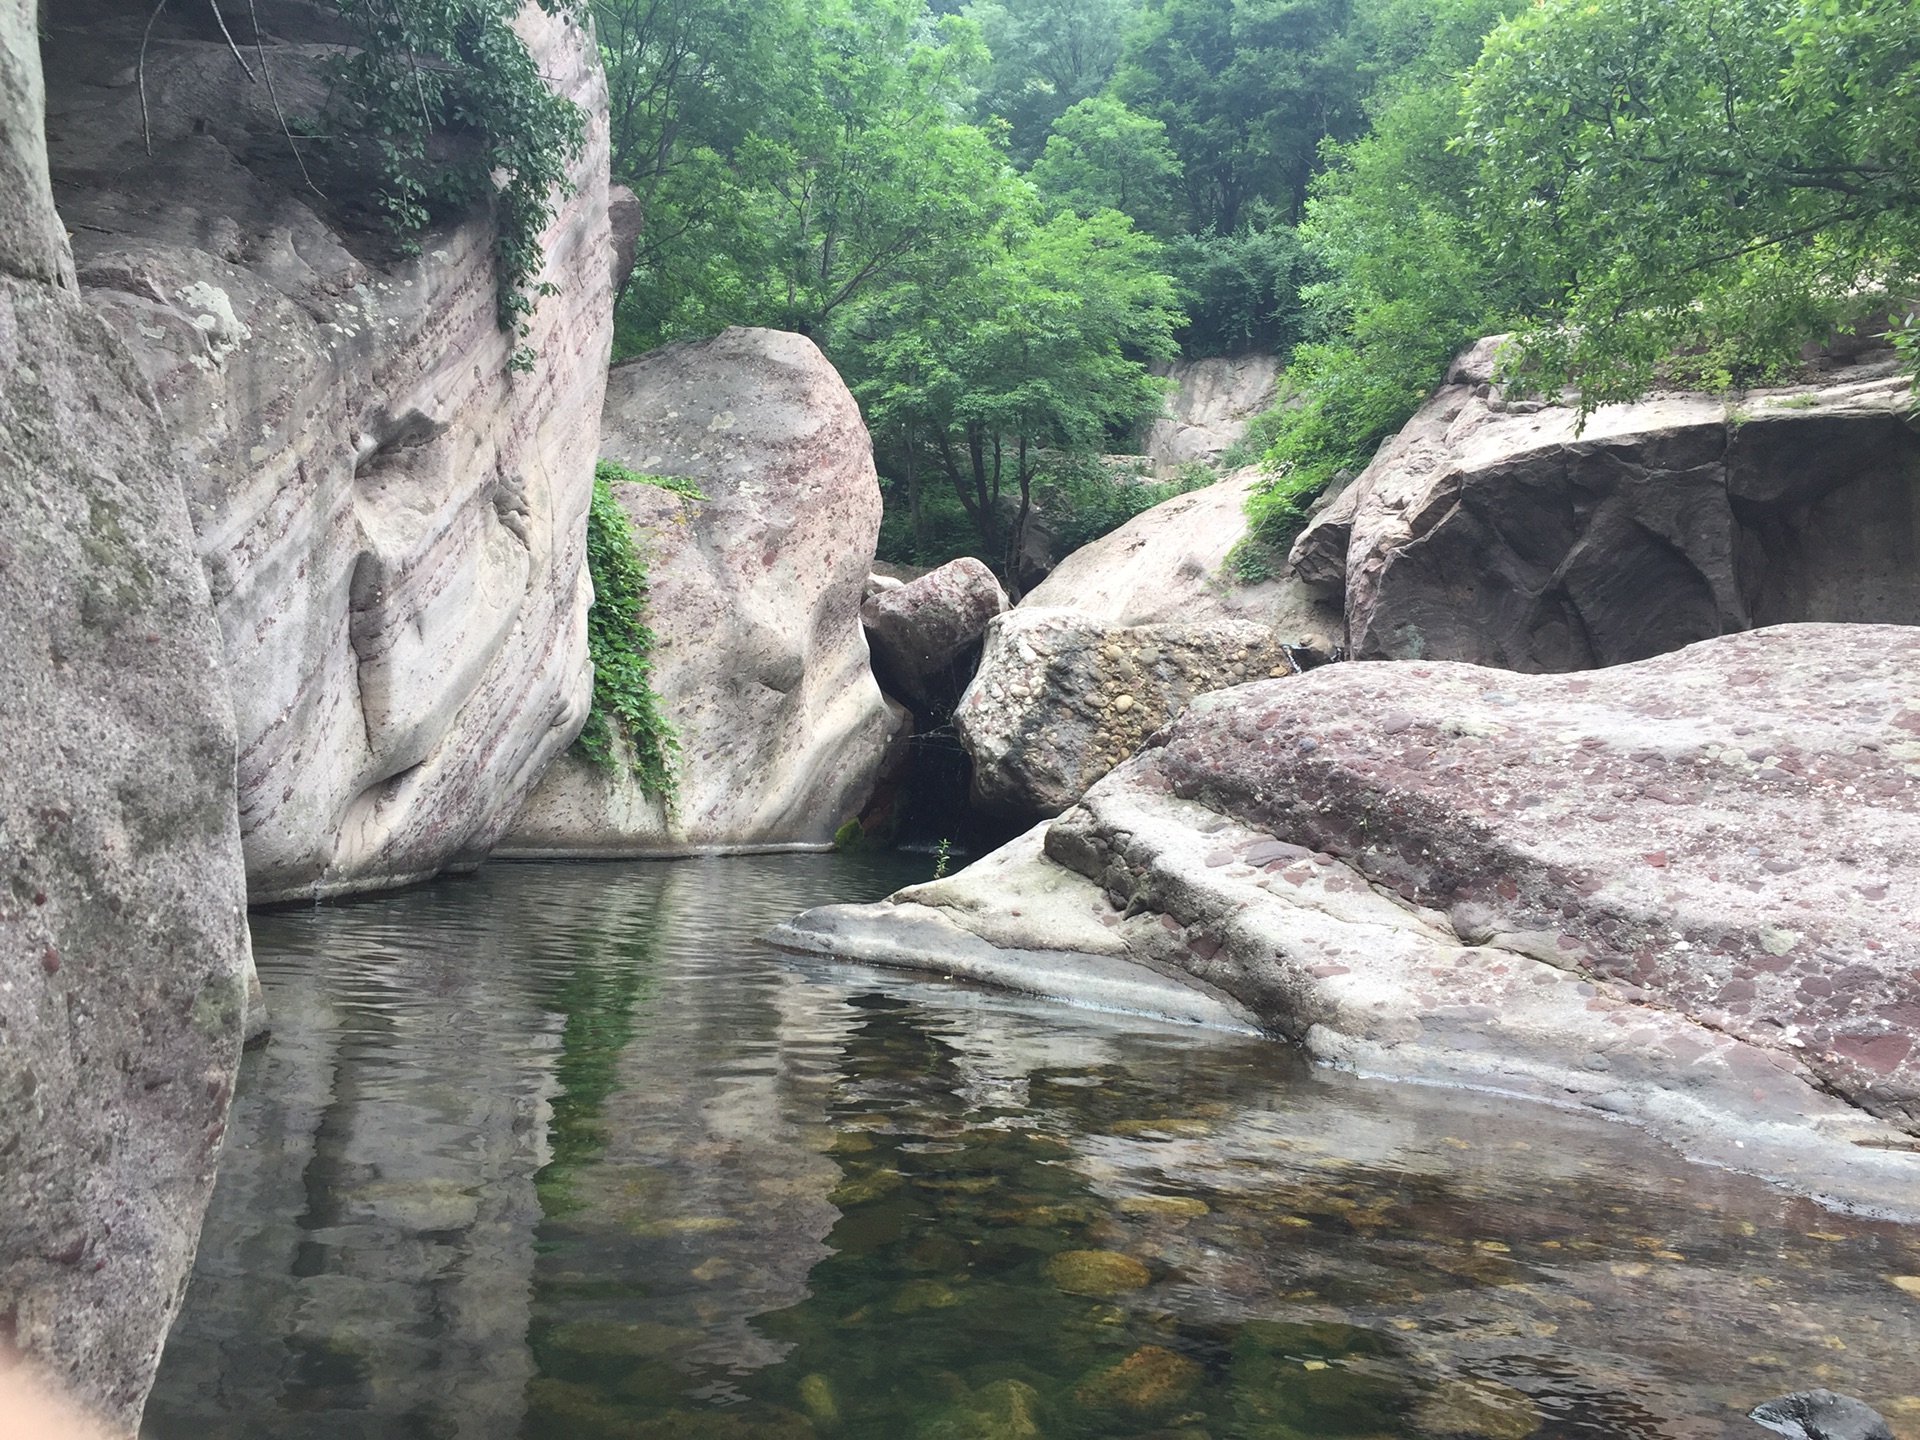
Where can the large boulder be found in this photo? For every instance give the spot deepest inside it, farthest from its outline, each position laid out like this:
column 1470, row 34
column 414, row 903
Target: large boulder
column 924, row 633
column 1212, row 401
column 123, row 936
column 1061, row 698
column 1508, row 533
column 760, row 662
column 1676, row 891
column 1166, row 565
column 391, row 521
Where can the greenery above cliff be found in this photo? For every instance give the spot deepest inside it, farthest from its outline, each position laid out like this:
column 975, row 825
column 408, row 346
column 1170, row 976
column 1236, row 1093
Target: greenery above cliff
column 443, row 100
column 993, row 217
column 1640, row 191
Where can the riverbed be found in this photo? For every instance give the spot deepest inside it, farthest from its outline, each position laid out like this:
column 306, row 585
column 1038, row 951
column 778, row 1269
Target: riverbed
column 564, row 1152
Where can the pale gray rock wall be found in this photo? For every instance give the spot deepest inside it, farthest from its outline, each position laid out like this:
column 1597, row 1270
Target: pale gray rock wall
column 1674, row 892
column 1504, row 533
column 123, row 937
column 1165, row 566
column 760, row 661
column 1210, row 408
column 391, row 524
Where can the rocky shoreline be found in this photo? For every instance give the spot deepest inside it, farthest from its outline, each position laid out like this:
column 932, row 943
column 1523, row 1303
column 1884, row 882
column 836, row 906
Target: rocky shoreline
column 1605, row 890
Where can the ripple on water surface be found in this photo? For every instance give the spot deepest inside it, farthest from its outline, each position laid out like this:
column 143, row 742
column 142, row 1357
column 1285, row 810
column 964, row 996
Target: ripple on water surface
column 564, row 1153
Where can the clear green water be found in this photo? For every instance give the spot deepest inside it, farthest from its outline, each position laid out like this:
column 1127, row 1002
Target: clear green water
column 563, row 1153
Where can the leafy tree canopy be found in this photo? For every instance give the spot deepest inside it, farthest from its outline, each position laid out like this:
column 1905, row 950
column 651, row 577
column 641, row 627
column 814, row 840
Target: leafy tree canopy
column 1725, row 179
column 1047, row 57
column 1103, row 156
column 1247, row 90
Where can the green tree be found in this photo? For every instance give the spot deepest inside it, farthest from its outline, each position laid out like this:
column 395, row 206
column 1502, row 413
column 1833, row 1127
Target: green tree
column 1699, row 187
column 1038, row 348
column 1404, row 276
column 1241, row 291
column 1047, row 56
column 687, row 82
column 1247, row 90
column 854, row 175
column 1102, row 156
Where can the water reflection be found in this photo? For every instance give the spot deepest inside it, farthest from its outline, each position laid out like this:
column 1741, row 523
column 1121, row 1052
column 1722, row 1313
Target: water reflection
column 559, row 1152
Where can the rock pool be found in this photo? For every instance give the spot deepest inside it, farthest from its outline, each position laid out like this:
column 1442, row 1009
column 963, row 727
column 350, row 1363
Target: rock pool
column 563, row 1152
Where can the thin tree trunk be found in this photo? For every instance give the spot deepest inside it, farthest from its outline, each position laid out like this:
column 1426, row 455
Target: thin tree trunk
column 1018, row 541
column 913, row 496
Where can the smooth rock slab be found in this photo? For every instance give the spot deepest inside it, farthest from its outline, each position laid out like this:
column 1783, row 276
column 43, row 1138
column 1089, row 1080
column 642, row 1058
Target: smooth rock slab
column 1674, row 892
column 1060, row 698
column 754, row 602
column 1165, row 566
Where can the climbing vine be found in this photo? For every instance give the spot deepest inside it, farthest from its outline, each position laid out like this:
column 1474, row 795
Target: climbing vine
column 625, row 707
column 434, row 71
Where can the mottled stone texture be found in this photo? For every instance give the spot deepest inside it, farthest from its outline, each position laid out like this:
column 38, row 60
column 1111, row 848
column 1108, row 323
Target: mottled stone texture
column 1209, row 408
column 1678, row 892
column 1505, row 533
column 925, row 634
column 123, row 939
column 759, row 660
column 392, row 525
column 1729, row 829
column 1061, row 698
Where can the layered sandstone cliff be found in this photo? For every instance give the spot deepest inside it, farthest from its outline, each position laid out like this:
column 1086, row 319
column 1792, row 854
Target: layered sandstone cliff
column 391, row 522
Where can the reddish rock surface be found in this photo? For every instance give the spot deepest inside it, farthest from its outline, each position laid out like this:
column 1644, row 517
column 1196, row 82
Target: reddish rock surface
column 1678, row 892
column 1729, row 830
column 922, row 632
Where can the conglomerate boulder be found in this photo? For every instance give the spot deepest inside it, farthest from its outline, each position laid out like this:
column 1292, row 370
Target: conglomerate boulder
column 123, row 935
column 1514, row 533
column 754, row 602
column 1061, row 698
column 1676, row 891
column 392, row 521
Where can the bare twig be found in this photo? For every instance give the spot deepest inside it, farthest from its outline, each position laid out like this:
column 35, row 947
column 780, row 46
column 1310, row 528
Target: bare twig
column 146, row 124
column 260, row 44
column 214, row 6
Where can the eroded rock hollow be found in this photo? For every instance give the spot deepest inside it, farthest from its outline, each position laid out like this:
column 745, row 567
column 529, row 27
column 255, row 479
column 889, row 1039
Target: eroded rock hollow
column 1505, row 533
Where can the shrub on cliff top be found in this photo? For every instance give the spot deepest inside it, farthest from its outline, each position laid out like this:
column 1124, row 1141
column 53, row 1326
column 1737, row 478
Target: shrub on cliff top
column 428, row 68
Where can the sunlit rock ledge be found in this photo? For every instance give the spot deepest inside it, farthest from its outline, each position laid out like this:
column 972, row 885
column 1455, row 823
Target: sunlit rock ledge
column 1676, row 892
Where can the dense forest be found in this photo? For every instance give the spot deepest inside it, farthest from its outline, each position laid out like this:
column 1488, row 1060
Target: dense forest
column 993, row 217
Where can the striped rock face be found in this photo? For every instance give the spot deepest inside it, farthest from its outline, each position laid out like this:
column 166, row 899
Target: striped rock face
column 392, row 523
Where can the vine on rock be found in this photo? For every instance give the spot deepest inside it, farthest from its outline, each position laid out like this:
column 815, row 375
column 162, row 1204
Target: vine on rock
column 625, row 728
column 456, row 68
